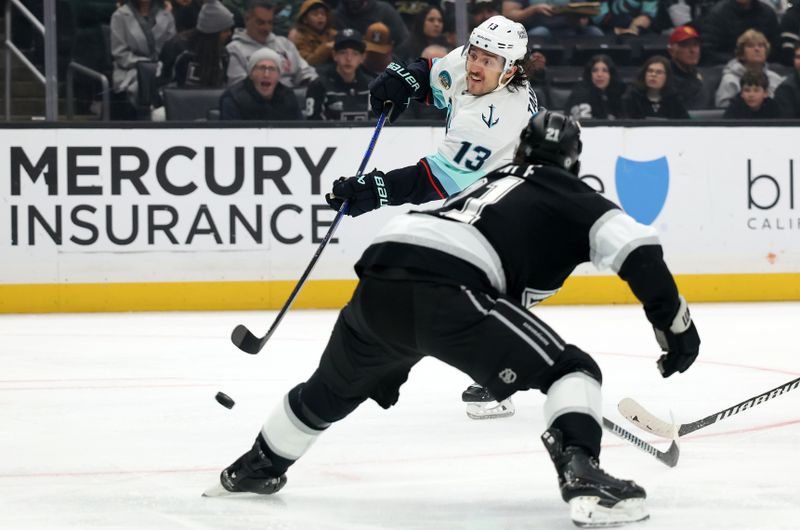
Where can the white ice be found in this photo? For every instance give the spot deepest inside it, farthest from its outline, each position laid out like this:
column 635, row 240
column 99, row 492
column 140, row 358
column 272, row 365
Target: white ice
column 109, row 421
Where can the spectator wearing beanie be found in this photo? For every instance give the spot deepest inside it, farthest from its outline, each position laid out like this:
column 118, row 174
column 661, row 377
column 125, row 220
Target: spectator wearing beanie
column 197, row 58
column 313, row 33
column 257, row 34
column 260, row 95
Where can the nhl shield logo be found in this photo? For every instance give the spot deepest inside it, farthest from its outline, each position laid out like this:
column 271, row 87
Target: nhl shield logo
column 642, row 187
column 445, row 80
column 507, row 375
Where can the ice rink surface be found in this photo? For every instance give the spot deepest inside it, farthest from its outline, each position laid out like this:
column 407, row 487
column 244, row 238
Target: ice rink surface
column 109, row 421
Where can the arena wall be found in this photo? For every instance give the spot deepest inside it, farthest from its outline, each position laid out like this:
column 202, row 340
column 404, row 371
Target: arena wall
column 200, row 218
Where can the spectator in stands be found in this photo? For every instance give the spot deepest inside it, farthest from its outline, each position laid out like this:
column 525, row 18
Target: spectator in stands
column 410, row 9
column 481, row 10
column 599, row 94
column 360, row 14
column 652, row 95
column 787, row 95
column 286, row 16
column 341, row 92
column 185, row 13
column 790, row 33
column 421, row 111
column 542, row 20
column 626, row 17
column 379, row 49
column 257, row 33
column 728, row 19
column 313, row 33
column 752, row 49
column 684, row 51
column 261, row 95
column 753, row 102
column 536, row 71
column 427, row 29
column 139, row 29
column 197, row 57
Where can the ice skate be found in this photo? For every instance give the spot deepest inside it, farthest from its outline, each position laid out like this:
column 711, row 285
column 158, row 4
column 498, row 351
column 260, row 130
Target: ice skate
column 250, row 473
column 481, row 404
column 596, row 499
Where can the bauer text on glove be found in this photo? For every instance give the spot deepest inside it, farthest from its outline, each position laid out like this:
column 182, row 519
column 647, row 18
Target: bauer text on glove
column 397, row 85
column 680, row 341
column 364, row 193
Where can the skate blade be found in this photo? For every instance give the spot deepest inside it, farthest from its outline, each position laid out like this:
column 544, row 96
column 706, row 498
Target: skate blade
column 586, row 512
column 218, row 491
column 480, row 412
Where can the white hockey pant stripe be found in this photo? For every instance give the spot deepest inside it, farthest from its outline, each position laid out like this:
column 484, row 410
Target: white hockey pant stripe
column 575, row 392
column 532, row 332
column 285, row 434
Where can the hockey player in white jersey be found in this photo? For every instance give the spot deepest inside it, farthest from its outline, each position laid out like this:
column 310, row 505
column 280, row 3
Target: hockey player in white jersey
column 488, row 100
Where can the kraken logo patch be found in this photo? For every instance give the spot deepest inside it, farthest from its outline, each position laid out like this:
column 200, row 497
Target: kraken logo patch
column 445, row 80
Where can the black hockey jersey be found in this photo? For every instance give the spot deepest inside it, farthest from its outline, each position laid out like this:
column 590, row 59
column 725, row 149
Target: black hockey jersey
column 520, row 232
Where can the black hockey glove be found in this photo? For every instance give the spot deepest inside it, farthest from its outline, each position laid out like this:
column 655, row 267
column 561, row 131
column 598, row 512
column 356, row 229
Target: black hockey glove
column 396, row 86
column 364, row 193
column 680, row 341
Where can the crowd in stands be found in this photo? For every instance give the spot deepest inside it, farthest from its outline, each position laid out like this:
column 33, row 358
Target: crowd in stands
column 314, row 59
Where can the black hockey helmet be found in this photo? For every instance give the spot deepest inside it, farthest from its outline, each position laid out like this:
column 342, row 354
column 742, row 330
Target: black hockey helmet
column 551, row 139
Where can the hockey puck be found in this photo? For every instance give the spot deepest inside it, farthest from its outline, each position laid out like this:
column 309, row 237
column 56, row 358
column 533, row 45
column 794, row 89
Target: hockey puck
column 224, row 400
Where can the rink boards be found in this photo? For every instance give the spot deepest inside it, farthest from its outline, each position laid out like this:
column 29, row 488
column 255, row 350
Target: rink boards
column 111, row 219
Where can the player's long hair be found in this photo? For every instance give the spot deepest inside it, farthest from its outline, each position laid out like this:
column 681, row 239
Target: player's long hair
column 520, row 78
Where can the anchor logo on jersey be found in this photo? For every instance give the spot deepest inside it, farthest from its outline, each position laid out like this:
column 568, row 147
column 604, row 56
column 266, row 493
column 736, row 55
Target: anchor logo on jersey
column 642, row 187
column 488, row 121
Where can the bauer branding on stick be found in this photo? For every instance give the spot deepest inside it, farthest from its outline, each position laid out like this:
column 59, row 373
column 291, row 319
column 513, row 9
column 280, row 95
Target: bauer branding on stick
column 225, row 400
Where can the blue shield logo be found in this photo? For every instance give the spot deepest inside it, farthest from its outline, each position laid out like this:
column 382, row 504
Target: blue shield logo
column 642, row 187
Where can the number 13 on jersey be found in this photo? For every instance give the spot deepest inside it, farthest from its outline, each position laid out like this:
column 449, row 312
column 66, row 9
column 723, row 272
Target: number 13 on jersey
column 477, row 156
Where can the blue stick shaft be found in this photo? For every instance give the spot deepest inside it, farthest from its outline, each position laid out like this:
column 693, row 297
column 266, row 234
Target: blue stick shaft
column 342, row 211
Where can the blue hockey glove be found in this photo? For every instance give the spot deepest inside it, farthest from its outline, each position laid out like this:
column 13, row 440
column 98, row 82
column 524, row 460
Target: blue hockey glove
column 680, row 341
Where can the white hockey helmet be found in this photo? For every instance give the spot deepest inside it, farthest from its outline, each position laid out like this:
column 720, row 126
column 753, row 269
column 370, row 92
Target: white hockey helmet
column 500, row 36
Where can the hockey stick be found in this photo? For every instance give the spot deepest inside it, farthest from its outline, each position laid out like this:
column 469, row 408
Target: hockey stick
column 669, row 458
column 242, row 337
column 639, row 416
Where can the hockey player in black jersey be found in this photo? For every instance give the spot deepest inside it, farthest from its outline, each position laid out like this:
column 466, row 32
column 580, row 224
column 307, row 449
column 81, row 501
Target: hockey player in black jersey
column 453, row 283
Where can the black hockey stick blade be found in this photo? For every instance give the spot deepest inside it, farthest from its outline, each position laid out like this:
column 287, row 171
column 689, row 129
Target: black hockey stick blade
column 669, row 457
column 246, row 341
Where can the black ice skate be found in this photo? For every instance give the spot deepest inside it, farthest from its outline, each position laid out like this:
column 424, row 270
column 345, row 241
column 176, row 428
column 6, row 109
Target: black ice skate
column 596, row 499
column 250, row 473
column 482, row 405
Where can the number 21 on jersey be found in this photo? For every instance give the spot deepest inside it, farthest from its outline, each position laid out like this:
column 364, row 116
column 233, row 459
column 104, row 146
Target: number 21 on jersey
column 471, row 210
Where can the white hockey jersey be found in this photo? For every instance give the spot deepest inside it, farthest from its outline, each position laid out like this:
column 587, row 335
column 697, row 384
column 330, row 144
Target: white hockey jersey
column 482, row 131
